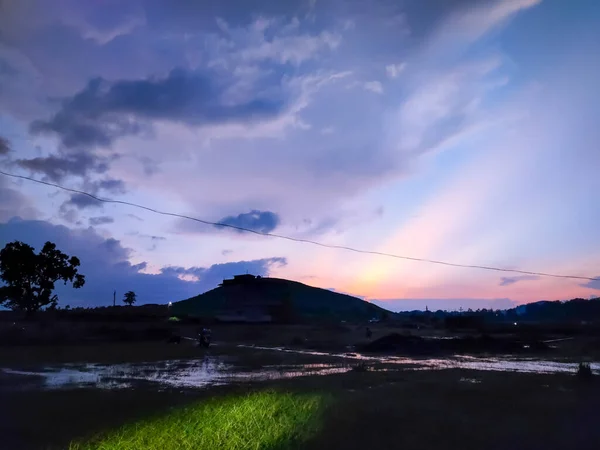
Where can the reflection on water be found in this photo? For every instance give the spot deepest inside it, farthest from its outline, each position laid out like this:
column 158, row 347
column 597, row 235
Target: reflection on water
column 211, row 370
column 506, row 363
column 503, row 365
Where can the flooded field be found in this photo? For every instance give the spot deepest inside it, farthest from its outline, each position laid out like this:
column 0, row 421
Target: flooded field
column 497, row 363
column 211, row 370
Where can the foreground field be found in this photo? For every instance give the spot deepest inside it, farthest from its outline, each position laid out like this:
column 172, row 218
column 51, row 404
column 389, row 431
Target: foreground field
column 397, row 409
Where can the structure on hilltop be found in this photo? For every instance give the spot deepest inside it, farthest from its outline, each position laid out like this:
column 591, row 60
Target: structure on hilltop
column 246, row 299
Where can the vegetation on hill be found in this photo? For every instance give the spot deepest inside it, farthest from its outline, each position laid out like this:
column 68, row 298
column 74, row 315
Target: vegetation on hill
column 307, row 302
column 575, row 309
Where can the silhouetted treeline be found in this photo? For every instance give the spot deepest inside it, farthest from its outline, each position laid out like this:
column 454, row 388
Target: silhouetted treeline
column 102, row 313
column 577, row 309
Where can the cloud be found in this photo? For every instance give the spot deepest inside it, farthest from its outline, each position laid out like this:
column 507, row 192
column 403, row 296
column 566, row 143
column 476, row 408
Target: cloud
column 105, row 111
column 262, row 221
column 57, row 167
column 440, row 106
column 106, row 265
column 101, row 220
column 507, row 281
column 14, row 203
column 216, row 273
column 291, row 49
column 111, row 185
column 81, row 201
column 592, row 284
column 269, row 39
column 374, row 86
column 394, row 70
column 4, row 146
column 279, row 161
column 476, row 20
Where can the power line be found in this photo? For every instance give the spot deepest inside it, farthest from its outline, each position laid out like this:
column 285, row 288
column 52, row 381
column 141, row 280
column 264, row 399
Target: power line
column 307, row 241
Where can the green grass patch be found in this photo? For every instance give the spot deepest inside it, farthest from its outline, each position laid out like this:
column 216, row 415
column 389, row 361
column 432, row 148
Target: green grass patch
column 263, row 420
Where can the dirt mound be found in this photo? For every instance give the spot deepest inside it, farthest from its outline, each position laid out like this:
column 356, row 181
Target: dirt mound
column 394, row 342
column 404, row 344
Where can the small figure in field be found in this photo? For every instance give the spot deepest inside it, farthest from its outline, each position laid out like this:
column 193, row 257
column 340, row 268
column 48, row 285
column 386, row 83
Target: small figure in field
column 204, row 337
column 369, row 333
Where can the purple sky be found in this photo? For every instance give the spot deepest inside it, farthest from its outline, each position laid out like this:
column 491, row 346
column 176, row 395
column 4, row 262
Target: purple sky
column 463, row 131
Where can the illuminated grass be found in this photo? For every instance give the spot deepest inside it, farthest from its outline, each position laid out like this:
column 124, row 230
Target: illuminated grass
column 266, row 420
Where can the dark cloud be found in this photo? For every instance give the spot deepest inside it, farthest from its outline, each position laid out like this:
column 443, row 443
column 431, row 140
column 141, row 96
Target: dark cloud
column 226, row 252
column 593, row 284
column 81, row 201
column 69, row 214
column 57, row 167
column 507, row 281
column 105, row 111
column 262, row 221
column 101, row 220
column 4, row 146
column 109, row 185
column 105, row 264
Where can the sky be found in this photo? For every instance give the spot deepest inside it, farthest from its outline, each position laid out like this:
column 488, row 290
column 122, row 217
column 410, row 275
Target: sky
column 463, row 131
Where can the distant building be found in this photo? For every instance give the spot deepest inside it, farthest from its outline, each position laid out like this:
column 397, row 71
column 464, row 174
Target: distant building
column 240, row 280
column 247, row 298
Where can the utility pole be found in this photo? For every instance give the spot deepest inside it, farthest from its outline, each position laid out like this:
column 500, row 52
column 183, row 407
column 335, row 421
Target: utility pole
column 115, row 298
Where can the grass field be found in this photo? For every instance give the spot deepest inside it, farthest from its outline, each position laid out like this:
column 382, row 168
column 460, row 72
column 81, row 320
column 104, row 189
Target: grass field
column 262, row 420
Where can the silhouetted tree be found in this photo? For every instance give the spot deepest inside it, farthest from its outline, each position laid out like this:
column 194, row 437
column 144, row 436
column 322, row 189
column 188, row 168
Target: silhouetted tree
column 129, row 298
column 29, row 278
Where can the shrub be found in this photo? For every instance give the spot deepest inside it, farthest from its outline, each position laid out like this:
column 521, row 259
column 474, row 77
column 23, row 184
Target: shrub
column 584, row 371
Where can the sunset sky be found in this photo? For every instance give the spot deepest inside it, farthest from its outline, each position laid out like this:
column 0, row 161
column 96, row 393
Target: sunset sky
column 464, row 131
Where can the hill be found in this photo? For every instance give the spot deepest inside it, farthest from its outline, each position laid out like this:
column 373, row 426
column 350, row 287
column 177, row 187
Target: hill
column 307, row 302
